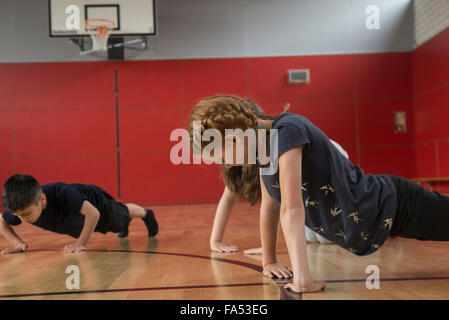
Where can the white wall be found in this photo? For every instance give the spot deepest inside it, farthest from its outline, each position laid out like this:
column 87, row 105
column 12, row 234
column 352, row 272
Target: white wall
column 431, row 17
column 225, row 28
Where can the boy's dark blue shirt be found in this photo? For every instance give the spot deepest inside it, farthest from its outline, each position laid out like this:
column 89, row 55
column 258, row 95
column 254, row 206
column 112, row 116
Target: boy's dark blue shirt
column 342, row 204
column 62, row 213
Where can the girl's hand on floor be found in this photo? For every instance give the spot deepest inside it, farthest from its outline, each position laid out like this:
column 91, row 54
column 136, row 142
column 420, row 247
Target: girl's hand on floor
column 310, row 286
column 73, row 248
column 276, row 270
column 219, row 246
column 21, row 247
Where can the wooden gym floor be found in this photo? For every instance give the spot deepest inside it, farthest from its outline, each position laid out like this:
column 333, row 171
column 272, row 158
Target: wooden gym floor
column 178, row 264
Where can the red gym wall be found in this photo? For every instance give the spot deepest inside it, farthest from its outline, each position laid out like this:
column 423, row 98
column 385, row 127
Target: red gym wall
column 431, row 106
column 58, row 120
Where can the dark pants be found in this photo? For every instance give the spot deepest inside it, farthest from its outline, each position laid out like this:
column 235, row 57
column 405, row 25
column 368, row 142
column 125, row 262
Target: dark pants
column 421, row 214
column 114, row 215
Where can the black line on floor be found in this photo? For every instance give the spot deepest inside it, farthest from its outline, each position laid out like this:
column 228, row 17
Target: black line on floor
column 284, row 294
column 129, row 290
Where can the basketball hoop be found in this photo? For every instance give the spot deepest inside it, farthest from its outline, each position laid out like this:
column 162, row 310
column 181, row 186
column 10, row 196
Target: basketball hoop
column 99, row 30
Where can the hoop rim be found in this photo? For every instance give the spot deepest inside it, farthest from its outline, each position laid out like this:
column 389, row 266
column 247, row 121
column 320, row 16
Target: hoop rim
column 89, row 24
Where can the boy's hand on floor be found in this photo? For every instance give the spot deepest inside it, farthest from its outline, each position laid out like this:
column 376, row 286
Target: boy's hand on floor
column 276, row 270
column 253, row 251
column 219, row 246
column 310, row 286
column 73, row 248
column 21, row 247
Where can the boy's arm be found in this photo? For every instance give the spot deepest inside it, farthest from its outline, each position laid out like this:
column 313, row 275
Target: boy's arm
column 293, row 221
column 92, row 215
column 269, row 227
column 12, row 237
column 224, row 209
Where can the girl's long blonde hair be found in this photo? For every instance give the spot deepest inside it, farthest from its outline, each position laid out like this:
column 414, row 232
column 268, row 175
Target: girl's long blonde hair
column 230, row 112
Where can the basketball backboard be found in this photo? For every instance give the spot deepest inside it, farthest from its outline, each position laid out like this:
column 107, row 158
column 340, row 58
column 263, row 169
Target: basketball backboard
column 132, row 17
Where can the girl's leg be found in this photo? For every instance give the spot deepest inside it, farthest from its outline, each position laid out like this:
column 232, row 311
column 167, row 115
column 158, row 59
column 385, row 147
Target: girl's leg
column 421, row 214
column 136, row 211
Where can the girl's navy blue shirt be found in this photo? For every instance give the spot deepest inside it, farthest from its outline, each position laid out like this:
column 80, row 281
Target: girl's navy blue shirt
column 352, row 209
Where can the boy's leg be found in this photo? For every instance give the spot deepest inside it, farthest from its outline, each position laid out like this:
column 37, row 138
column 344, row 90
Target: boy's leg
column 421, row 214
column 136, row 211
column 115, row 215
column 147, row 215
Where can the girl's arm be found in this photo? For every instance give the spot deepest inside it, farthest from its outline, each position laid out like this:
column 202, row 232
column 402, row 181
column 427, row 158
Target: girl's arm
column 12, row 237
column 222, row 214
column 293, row 221
column 269, row 226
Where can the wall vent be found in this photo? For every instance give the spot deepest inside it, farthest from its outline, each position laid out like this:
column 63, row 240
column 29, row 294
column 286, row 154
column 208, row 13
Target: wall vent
column 298, row 76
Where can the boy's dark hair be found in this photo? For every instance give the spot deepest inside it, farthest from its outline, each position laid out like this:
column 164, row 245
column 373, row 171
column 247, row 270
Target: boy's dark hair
column 20, row 191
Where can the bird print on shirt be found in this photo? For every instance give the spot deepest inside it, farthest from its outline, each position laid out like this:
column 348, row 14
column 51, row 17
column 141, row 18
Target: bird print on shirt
column 336, row 211
column 320, row 199
column 341, row 234
column 311, row 202
column 364, row 236
column 277, row 186
column 355, row 217
column 327, row 188
column 388, row 223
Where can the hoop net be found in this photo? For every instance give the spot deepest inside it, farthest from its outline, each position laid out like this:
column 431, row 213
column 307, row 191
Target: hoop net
column 99, row 30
